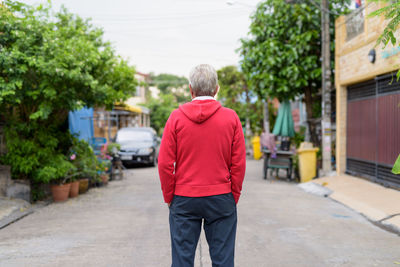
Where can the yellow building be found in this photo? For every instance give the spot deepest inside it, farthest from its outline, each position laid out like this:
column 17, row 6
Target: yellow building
column 127, row 114
column 367, row 98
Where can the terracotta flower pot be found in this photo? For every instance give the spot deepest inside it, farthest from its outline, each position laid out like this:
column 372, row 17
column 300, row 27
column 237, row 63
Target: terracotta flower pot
column 104, row 179
column 83, row 185
column 60, row 192
column 73, row 192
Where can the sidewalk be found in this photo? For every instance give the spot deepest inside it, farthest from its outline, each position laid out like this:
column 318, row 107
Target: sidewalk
column 379, row 204
column 12, row 210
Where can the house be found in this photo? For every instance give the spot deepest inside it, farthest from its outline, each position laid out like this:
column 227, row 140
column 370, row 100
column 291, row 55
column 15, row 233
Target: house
column 367, row 98
column 127, row 114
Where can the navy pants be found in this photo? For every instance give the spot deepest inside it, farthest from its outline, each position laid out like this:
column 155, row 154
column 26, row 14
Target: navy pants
column 185, row 218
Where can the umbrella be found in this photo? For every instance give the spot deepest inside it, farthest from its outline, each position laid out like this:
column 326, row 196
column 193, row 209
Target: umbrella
column 284, row 125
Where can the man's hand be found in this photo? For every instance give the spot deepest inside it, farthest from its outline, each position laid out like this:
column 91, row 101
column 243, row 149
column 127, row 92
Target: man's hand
column 169, row 204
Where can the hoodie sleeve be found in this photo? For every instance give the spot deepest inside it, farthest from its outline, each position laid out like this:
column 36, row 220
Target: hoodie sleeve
column 238, row 166
column 166, row 160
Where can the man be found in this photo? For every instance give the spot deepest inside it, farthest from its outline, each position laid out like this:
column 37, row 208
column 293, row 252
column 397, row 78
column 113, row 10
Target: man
column 201, row 163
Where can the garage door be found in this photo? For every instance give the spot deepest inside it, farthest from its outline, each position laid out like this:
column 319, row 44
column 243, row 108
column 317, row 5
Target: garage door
column 373, row 129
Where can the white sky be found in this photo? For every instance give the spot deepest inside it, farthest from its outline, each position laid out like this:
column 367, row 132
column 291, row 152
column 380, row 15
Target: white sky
column 169, row 36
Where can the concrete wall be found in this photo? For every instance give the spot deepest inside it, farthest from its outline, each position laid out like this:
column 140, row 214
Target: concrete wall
column 5, row 179
column 352, row 66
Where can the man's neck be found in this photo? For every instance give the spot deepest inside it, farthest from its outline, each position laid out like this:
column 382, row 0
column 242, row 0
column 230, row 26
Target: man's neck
column 204, row 97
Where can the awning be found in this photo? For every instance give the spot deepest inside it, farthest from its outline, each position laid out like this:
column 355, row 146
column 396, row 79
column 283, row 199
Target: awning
column 132, row 108
column 135, row 109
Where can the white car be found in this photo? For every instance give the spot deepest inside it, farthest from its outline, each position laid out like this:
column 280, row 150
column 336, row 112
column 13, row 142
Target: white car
column 139, row 145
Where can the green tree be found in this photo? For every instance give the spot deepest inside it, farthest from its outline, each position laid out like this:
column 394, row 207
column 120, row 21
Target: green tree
column 281, row 56
column 50, row 65
column 160, row 109
column 165, row 82
column 234, row 94
column 174, row 90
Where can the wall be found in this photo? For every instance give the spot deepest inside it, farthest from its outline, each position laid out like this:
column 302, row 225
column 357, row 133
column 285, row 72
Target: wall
column 352, row 66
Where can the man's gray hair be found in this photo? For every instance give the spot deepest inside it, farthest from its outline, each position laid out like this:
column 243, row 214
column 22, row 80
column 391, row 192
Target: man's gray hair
column 204, row 80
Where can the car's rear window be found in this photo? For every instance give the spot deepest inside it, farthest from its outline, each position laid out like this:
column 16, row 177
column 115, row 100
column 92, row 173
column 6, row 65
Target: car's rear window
column 125, row 136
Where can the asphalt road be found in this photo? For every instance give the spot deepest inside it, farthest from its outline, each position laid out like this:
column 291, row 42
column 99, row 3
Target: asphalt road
column 126, row 224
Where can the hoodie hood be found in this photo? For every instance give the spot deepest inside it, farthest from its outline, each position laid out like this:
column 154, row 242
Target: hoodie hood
column 199, row 111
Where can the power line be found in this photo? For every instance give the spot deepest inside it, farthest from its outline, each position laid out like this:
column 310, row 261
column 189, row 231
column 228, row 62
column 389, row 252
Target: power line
column 171, row 16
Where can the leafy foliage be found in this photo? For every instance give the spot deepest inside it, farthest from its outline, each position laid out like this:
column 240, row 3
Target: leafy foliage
column 165, row 81
column 281, row 56
column 174, row 90
column 396, row 166
column 160, row 110
column 232, row 94
column 36, row 158
column 84, row 158
column 390, row 12
column 50, row 65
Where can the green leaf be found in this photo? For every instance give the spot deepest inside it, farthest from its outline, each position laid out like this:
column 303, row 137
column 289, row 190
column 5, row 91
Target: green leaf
column 50, row 63
column 396, row 166
column 390, row 12
column 392, row 38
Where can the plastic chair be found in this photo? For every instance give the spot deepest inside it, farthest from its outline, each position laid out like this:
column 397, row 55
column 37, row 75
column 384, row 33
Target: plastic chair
column 96, row 143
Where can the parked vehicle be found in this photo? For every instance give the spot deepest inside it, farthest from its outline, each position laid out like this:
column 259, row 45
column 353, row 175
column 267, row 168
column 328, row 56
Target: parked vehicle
column 139, row 145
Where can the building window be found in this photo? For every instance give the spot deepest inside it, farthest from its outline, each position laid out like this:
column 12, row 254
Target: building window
column 138, row 91
column 355, row 22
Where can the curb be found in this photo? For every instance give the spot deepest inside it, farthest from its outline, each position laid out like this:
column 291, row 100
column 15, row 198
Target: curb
column 15, row 216
column 22, row 212
column 319, row 190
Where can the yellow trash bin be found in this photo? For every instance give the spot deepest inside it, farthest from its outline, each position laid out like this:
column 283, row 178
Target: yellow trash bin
column 307, row 161
column 256, row 147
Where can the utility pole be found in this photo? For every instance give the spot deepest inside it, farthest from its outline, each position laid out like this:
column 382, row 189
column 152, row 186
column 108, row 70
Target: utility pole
column 326, row 90
column 266, row 116
column 326, row 85
column 247, row 126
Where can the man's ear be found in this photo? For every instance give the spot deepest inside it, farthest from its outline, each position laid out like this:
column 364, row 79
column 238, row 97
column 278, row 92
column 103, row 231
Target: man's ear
column 191, row 91
column 216, row 91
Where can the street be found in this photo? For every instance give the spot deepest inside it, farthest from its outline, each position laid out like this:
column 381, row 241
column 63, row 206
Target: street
column 126, row 224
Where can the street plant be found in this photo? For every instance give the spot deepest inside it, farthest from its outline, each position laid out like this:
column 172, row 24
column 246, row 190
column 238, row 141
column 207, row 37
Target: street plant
column 83, row 158
column 52, row 63
column 37, row 158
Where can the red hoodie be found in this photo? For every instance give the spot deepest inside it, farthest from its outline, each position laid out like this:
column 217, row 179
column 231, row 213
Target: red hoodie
column 206, row 143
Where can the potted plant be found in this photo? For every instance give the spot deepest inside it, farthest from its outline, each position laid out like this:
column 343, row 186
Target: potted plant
column 57, row 172
column 74, row 190
column 112, row 152
column 106, row 156
column 83, row 158
column 102, row 171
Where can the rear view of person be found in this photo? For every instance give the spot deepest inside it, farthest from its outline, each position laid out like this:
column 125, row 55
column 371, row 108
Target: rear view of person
column 201, row 164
